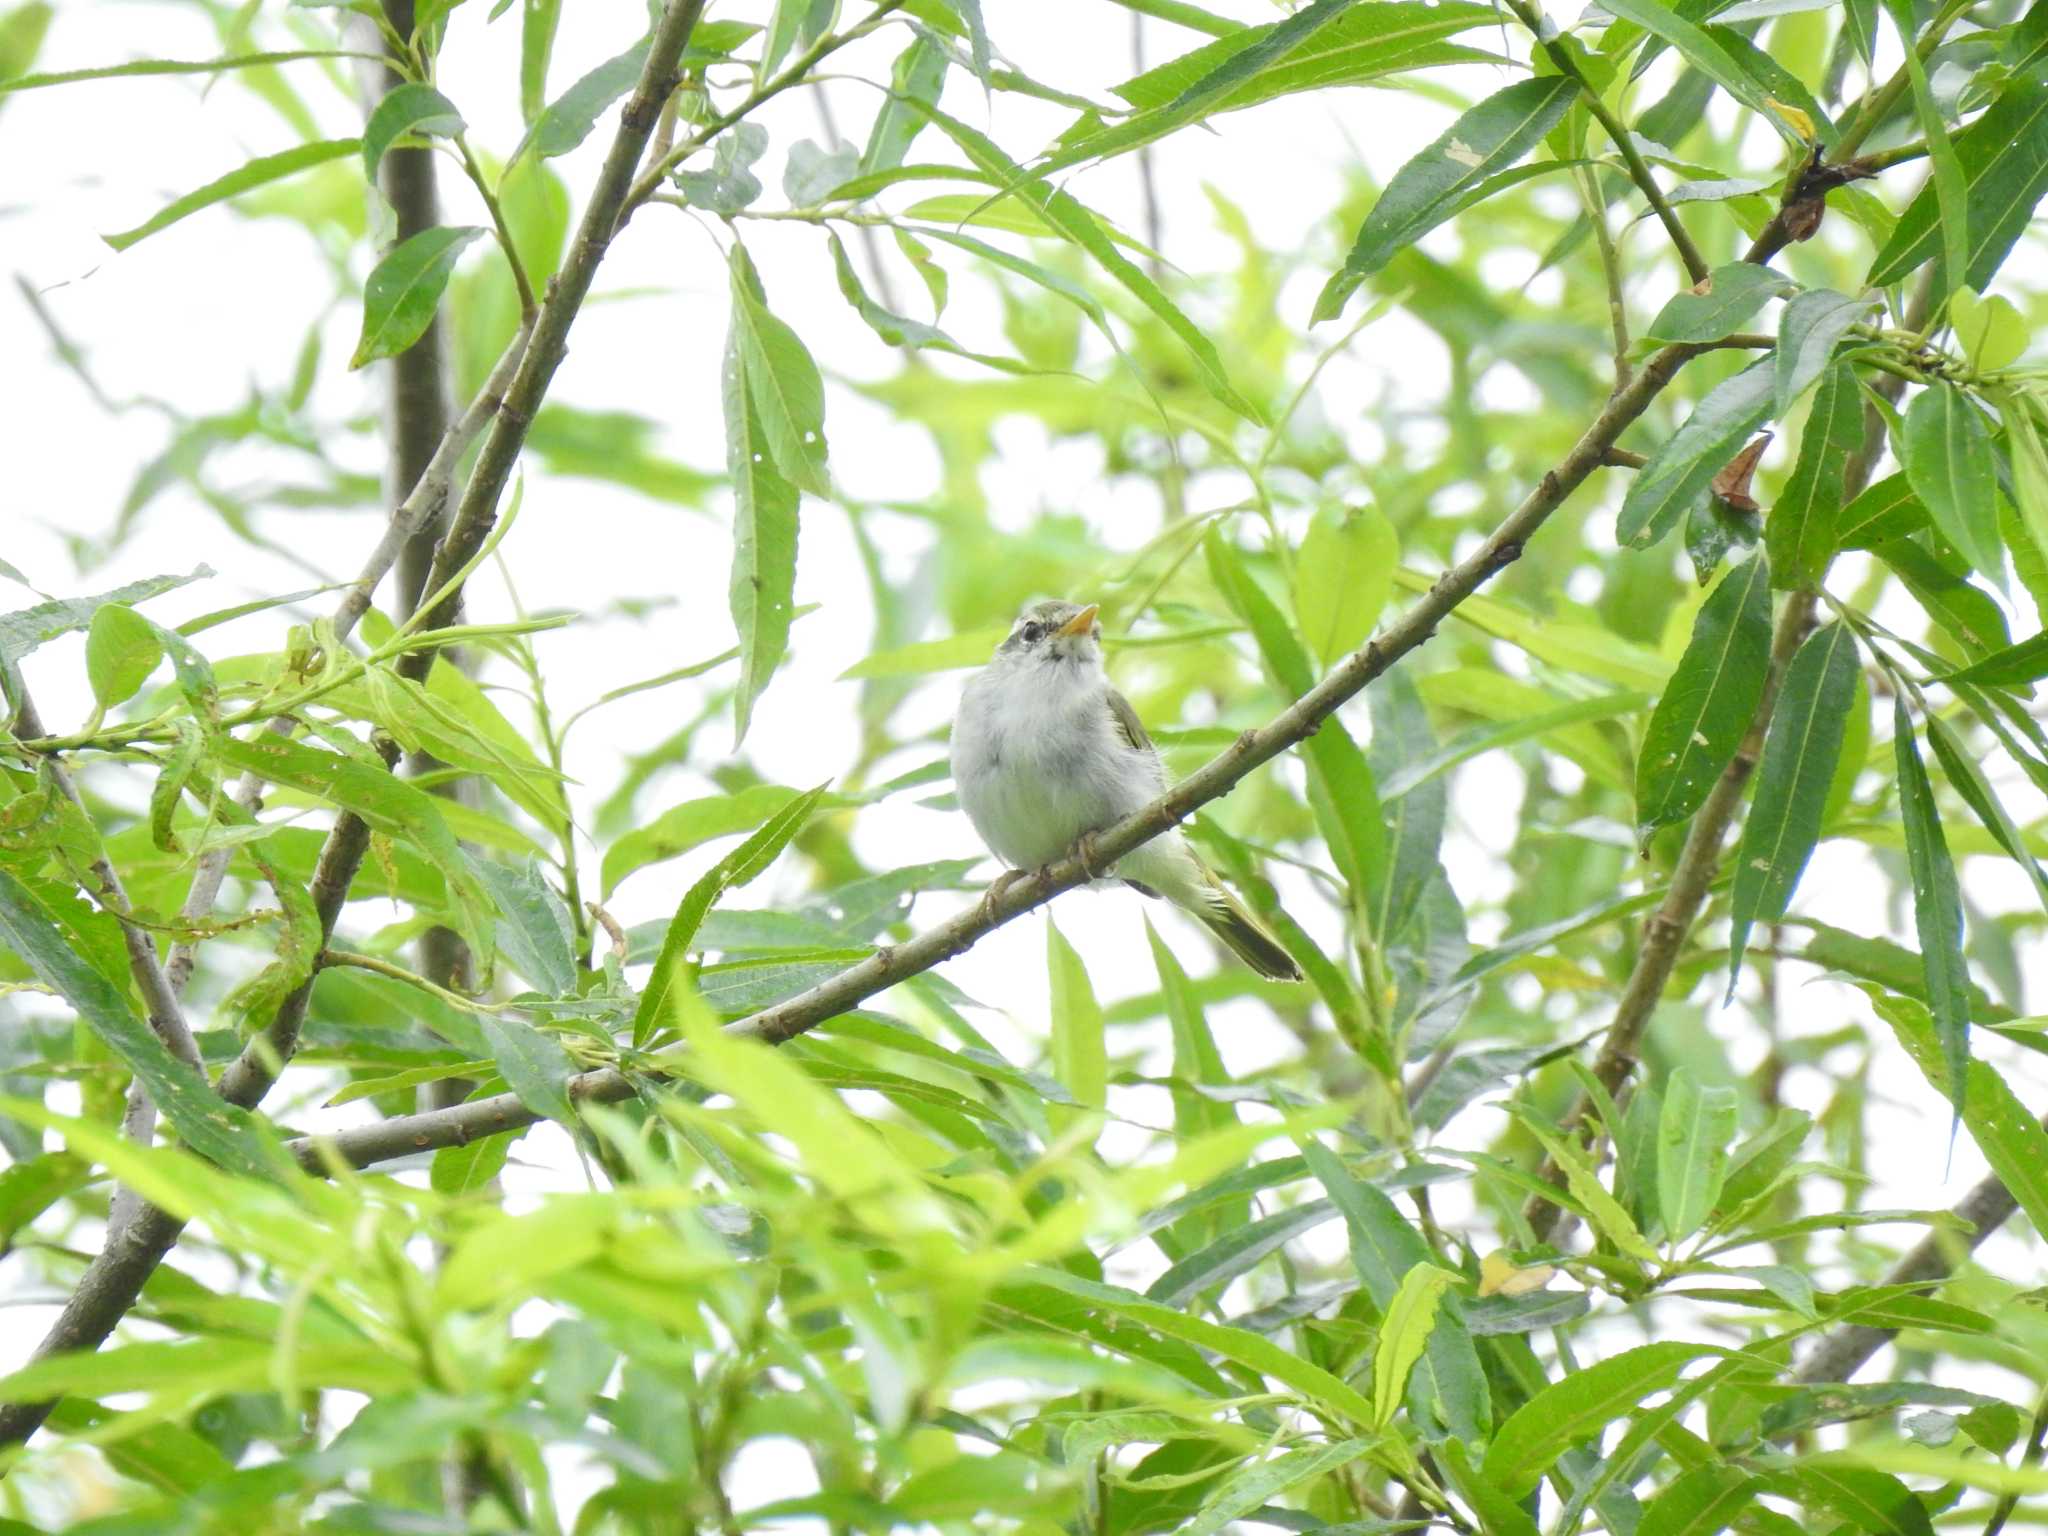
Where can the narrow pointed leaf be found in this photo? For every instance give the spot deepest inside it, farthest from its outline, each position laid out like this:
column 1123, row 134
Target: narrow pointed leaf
column 1075, row 223
column 1937, row 902
column 1448, row 1384
column 402, row 294
column 1706, row 707
column 1734, row 293
column 737, row 868
column 1680, row 471
column 1488, row 139
column 1950, row 464
column 259, row 172
column 1080, row 1057
column 1800, row 751
column 1577, row 1407
column 2014, row 667
column 788, row 393
column 1342, row 579
column 1404, row 1332
column 1799, row 534
column 567, row 120
column 227, row 1135
column 1808, row 332
column 2003, row 157
column 1695, row 1129
column 762, row 591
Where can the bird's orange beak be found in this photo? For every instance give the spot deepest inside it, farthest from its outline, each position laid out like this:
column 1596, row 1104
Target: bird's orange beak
column 1081, row 622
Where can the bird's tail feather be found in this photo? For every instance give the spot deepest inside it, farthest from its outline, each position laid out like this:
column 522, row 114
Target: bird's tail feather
column 1227, row 918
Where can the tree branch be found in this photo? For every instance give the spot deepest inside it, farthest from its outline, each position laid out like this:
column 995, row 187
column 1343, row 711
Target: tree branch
column 115, row 1278
column 408, row 1134
column 1844, row 1352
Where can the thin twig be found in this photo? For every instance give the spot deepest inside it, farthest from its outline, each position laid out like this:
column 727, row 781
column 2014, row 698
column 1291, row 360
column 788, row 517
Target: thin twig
column 1531, row 16
column 650, row 180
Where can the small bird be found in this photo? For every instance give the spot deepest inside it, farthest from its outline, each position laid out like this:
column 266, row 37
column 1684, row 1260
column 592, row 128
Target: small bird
column 1046, row 753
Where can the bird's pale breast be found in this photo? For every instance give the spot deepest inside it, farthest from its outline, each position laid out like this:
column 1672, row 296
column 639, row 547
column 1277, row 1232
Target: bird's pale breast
column 1038, row 760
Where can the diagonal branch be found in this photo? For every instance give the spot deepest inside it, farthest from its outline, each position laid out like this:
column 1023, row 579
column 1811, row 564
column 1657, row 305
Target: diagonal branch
column 115, row 1278
column 408, row 1134
column 1845, row 1351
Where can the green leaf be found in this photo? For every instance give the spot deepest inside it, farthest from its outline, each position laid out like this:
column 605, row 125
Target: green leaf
column 1684, row 465
column 1483, row 142
column 222, row 1132
column 764, row 534
column 259, row 172
column 1949, row 462
column 172, row 67
column 683, row 827
column 1410, row 1318
column 1253, row 1488
column 1699, row 49
column 1236, row 1251
column 465, row 1169
column 1937, row 902
column 1352, row 46
column 2003, row 158
column 1343, row 576
column 567, row 120
column 1799, row 534
column 121, row 650
column 407, row 108
column 1720, row 305
column 1577, row 1407
column 1813, row 323
column 1312, row 1382
column 2014, row 667
column 783, row 383
column 1702, row 1502
column 899, row 331
column 1079, row 1054
column 1871, row 1501
column 914, row 82
column 1603, row 1211
column 1706, row 708
column 539, row 20
column 388, row 804
column 1327, row 42
column 403, row 292
column 1968, row 780
column 737, row 868
column 1692, row 1154
column 1077, row 224
column 1343, row 795
column 1990, row 331
column 1887, row 510
column 1800, row 750
column 1447, row 1387
column 26, row 628
column 533, row 929
column 533, row 1064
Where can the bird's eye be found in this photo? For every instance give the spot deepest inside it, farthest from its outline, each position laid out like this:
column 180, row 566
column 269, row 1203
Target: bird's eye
column 1033, row 633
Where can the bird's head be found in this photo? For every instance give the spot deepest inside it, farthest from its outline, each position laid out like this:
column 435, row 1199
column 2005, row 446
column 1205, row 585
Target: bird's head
column 1054, row 631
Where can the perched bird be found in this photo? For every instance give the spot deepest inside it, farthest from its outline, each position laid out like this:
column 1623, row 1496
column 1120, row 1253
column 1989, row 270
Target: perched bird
column 1046, row 753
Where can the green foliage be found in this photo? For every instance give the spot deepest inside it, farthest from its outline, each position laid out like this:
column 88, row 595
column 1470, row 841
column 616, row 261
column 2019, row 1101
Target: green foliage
column 1498, row 1221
